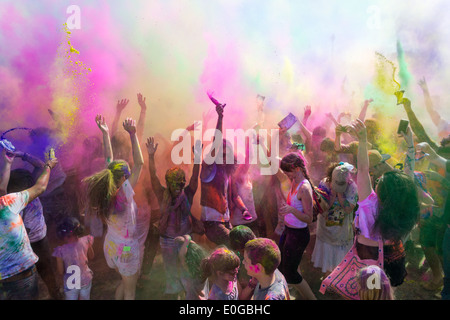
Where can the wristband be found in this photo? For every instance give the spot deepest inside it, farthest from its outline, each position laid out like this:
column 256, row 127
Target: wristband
column 25, row 157
column 47, row 165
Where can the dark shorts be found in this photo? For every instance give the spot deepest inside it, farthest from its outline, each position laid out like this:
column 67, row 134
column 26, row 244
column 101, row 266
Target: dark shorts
column 394, row 260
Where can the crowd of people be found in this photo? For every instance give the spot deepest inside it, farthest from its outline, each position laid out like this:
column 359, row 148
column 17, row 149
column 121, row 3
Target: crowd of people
column 243, row 234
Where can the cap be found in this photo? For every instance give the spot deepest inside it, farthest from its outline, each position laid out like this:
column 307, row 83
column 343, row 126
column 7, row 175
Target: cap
column 339, row 179
column 375, row 158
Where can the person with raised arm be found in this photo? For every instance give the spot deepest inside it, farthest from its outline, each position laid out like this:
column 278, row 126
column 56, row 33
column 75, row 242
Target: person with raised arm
column 442, row 125
column 216, row 187
column 387, row 213
column 111, row 196
column 18, row 277
column 176, row 220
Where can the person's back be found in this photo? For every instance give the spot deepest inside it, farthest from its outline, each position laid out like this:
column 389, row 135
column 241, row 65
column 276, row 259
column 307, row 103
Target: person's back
column 16, row 254
column 76, row 254
column 261, row 260
column 278, row 290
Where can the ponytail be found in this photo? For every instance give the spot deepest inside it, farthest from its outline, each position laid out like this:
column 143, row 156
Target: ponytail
column 101, row 188
column 205, row 269
column 221, row 259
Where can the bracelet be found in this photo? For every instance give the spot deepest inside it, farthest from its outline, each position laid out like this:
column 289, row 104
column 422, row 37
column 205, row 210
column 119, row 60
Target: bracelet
column 47, row 165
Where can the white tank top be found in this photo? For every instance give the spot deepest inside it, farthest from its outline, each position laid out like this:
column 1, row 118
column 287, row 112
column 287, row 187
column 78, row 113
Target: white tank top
column 290, row 219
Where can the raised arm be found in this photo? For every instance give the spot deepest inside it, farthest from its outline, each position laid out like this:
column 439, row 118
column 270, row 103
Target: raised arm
column 158, row 189
column 193, row 182
column 5, row 170
column 428, row 102
column 332, row 118
column 107, row 148
column 141, row 121
column 41, row 184
column 306, row 134
column 138, row 160
column 434, row 157
column 363, row 177
column 121, row 104
column 410, row 153
column 362, row 114
column 306, row 114
column 416, row 126
column 337, row 141
column 37, row 163
column 217, row 140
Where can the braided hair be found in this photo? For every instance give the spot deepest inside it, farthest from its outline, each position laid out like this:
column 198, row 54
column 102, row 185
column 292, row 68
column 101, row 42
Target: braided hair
column 295, row 160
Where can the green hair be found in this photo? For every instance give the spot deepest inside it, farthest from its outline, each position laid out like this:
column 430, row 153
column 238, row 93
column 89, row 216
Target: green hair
column 264, row 251
column 102, row 187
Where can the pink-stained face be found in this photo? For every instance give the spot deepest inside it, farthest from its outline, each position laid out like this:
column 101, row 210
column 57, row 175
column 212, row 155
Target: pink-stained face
column 252, row 270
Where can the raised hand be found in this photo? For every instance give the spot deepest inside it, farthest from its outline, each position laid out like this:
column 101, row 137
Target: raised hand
column 197, row 150
column 408, row 137
column 130, row 125
column 101, row 123
column 423, row 84
column 307, row 112
column 359, row 130
column 341, row 129
column 193, row 126
column 121, row 104
column 52, row 163
column 8, row 156
column 426, row 148
column 141, row 101
column 151, row 146
column 219, row 109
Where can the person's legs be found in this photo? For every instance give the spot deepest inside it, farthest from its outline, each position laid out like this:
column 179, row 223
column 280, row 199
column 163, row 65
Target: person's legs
column 429, row 237
column 293, row 243
column 305, row 291
column 446, row 265
column 119, row 294
column 150, row 251
column 23, row 289
column 85, row 292
column 169, row 252
column 129, row 286
column 72, row 294
column 45, row 268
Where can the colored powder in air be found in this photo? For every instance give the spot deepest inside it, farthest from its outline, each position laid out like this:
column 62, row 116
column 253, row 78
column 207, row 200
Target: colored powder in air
column 404, row 74
column 385, row 75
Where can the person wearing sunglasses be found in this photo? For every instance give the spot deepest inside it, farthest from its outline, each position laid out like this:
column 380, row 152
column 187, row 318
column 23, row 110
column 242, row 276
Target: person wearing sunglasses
column 111, row 197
